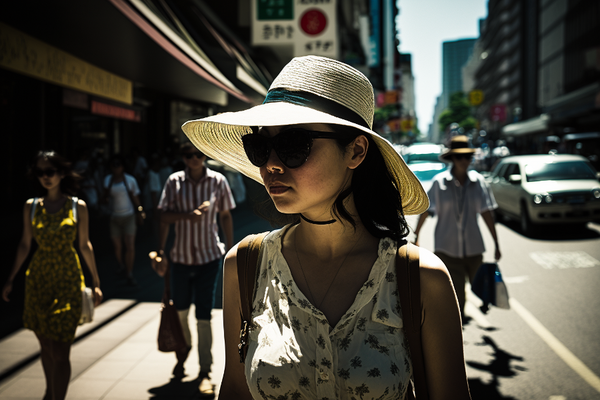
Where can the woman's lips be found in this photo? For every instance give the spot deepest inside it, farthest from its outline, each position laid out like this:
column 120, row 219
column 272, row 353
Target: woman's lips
column 277, row 189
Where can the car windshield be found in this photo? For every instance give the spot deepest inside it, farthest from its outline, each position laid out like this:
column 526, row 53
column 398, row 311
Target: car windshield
column 559, row 171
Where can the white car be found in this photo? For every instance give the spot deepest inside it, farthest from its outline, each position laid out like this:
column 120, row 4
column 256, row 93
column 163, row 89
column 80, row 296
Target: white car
column 546, row 189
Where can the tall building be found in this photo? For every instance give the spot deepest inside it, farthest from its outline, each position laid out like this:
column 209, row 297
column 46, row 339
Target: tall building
column 562, row 82
column 455, row 54
column 434, row 133
column 507, row 72
column 408, row 114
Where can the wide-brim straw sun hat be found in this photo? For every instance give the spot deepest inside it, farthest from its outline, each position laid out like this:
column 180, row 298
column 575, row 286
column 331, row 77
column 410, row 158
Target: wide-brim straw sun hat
column 458, row 145
column 308, row 89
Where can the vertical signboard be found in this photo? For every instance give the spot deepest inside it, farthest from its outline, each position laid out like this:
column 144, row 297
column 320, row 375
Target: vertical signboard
column 374, row 55
column 309, row 26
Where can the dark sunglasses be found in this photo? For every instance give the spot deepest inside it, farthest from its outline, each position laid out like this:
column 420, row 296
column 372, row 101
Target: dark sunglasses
column 189, row 156
column 49, row 172
column 292, row 146
column 462, row 156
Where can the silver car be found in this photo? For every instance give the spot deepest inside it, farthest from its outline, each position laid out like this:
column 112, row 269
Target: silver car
column 546, row 189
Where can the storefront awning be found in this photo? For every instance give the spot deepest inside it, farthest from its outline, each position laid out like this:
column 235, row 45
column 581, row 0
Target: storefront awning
column 104, row 34
column 532, row 125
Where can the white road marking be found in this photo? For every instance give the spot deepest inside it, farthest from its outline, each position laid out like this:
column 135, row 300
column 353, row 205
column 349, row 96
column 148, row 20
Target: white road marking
column 564, row 259
column 557, row 398
column 567, row 356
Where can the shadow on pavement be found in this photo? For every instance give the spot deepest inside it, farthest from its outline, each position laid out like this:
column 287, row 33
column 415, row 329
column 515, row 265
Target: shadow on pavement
column 500, row 366
column 176, row 389
column 557, row 231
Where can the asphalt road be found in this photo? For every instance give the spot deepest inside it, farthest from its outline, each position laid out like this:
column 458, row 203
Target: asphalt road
column 546, row 346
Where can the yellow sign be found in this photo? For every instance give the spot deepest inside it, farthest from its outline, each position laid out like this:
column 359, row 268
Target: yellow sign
column 26, row 55
column 475, row 97
column 406, row 125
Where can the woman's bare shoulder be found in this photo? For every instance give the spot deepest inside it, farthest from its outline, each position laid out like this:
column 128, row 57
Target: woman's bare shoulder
column 434, row 274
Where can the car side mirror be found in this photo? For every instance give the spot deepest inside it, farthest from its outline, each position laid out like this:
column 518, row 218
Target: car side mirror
column 514, row 179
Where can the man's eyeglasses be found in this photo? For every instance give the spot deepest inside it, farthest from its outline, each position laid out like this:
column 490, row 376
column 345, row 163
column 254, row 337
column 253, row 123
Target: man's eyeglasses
column 197, row 154
column 292, row 146
column 462, row 156
column 49, row 172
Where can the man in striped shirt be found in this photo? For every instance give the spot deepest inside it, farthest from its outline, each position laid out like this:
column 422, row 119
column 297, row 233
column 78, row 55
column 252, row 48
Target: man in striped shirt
column 192, row 199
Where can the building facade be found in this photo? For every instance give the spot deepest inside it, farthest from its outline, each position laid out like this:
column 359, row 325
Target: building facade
column 455, row 55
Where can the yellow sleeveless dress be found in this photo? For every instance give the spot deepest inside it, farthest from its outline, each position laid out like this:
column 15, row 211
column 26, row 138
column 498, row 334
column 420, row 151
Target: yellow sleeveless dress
column 54, row 279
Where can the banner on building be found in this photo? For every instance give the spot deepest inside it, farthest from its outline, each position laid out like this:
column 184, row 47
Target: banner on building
column 498, row 112
column 26, row 55
column 374, row 50
column 309, row 26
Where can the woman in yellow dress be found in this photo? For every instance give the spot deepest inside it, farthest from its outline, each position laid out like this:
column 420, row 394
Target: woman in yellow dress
column 54, row 279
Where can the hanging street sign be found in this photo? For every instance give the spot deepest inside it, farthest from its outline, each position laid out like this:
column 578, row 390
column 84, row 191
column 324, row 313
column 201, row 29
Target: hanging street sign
column 308, row 26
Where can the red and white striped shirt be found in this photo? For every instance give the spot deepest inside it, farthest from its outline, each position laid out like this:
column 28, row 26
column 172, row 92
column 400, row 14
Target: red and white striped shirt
column 196, row 243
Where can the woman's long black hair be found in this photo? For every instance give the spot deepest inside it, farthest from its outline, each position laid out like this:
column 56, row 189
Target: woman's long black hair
column 376, row 196
column 70, row 182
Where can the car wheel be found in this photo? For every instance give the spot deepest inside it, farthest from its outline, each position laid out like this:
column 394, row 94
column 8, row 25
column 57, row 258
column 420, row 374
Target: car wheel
column 527, row 227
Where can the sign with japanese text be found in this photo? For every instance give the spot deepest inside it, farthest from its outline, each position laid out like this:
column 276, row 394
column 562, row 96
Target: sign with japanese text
column 309, row 26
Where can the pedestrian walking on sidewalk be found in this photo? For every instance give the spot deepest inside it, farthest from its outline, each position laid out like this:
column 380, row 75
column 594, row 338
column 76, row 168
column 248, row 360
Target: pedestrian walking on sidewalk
column 326, row 317
column 124, row 192
column 54, row 279
column 191, row 200
column 458, row 196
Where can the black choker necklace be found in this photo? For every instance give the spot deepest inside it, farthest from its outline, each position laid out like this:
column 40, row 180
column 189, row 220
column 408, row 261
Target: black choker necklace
column 310, row 221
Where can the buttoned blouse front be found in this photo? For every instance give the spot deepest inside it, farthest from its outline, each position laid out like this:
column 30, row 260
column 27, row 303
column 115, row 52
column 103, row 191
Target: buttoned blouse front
column 294, row 353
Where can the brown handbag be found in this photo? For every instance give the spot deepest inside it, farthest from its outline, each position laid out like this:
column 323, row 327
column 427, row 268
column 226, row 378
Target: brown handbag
column 408, row 278
column 170, row 333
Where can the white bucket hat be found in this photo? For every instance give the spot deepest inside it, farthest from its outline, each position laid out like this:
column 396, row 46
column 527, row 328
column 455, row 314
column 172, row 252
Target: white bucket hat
column 308, row 89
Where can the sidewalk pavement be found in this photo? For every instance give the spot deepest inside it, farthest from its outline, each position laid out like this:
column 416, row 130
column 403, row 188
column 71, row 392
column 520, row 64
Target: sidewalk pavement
column 113, row 361
column 116, row 356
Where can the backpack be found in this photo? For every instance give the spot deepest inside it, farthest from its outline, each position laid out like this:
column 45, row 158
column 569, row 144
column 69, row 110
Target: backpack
column 409, row 290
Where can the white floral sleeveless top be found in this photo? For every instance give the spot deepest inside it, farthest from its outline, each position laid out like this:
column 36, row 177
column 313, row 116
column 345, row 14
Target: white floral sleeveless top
column 294, row 353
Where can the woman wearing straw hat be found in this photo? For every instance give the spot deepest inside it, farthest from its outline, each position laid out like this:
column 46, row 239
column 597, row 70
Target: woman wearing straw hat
column 457, row 196
column 326, row 320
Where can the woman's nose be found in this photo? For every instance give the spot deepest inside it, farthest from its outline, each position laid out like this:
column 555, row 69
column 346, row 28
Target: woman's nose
column 274, row 164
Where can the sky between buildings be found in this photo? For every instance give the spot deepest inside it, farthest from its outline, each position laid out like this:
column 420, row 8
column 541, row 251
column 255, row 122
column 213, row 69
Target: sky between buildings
column 423, row 25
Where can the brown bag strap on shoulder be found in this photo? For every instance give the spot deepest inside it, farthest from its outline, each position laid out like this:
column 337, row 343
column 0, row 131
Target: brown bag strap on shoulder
column 247, row 264
column 409, row 291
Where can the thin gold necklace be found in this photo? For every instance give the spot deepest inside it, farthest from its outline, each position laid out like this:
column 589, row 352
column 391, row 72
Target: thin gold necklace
column 312, row 297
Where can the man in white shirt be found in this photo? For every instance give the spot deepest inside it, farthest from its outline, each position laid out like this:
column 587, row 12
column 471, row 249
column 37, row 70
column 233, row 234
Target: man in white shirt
column 124, row 192
column 192, row 200
column 457, row 196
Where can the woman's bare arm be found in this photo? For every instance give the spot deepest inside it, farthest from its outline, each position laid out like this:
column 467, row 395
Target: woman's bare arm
column 86, row 249
column 233, row 386
column 22, row 249
column 441, row 332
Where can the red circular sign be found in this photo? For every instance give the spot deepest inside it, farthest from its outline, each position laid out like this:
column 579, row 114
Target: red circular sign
column 313, row 22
